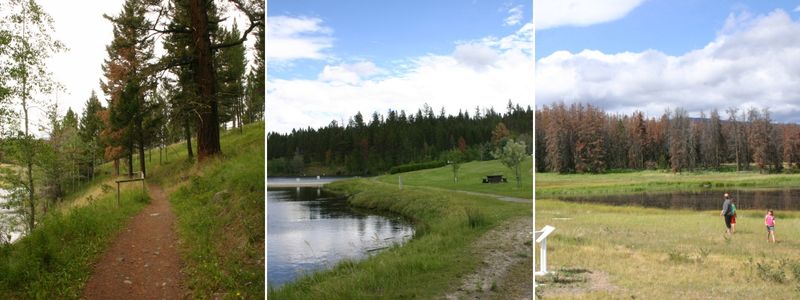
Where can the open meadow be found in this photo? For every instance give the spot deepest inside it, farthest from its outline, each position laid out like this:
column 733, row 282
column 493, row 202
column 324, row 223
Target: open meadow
column 602, row 251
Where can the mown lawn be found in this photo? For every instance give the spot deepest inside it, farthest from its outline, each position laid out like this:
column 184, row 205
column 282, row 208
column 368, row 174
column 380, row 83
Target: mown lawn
column 470, row 177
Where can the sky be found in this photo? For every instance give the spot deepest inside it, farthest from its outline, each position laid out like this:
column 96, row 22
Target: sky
column 651, row 55
column 328, row 60
column 85, row 33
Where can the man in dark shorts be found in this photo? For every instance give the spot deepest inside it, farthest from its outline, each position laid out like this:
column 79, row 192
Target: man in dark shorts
column 727, row 212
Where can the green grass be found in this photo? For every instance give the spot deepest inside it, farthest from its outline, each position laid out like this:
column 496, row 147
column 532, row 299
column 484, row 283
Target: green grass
column 56, row 259
column 425, row 267
column 470, row 177
column 552, row 184
column 220, row 209
column 668, row 254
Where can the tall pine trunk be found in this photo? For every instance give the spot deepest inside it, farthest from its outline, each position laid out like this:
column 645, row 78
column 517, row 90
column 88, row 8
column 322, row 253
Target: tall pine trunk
column 208, row 124
column 188, row 135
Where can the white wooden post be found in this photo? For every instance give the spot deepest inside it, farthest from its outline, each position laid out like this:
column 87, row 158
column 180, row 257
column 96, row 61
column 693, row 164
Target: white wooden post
column 541, row 238
column 400, row 181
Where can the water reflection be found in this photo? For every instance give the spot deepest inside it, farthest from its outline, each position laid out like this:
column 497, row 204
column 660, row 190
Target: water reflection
column 310, row 229
column 705, row 200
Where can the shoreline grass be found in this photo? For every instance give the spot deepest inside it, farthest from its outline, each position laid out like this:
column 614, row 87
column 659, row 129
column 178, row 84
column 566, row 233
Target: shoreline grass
column 554, row 185
column 425, row 267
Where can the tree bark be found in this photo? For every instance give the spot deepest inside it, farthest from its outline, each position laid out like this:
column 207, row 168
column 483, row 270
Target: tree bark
column 188, row 135
column 208, row 124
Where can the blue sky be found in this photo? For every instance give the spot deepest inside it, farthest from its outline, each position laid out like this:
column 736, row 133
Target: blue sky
column 347, row 51
column 628, row 55
column 670, row 26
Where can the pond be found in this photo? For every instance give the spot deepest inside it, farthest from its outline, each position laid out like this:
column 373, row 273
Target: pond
column 784, row 199
column 309, row 229
column 11, row 222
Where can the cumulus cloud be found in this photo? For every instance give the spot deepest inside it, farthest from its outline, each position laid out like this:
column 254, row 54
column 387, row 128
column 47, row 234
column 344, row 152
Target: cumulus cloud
column 514, row 16
column 558, row 13
column 754, row 65
column 441, row 80
column 292, row 38
column 349, row 73
column 476, row 55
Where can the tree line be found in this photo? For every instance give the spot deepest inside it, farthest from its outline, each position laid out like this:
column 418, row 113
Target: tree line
column 202, row 84
column 582, row 138
column 362, row 147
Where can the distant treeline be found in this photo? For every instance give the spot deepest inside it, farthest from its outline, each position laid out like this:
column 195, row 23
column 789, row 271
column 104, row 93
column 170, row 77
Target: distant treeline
column 369, row 147
column 583, row 138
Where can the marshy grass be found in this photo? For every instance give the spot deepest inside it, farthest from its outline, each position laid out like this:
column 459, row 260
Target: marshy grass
column 553, row 185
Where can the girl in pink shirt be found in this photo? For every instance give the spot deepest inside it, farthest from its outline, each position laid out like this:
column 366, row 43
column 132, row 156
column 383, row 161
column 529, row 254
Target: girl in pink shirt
column 769, row 220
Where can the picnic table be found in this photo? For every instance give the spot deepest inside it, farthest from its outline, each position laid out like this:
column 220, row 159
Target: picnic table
column 494, row 179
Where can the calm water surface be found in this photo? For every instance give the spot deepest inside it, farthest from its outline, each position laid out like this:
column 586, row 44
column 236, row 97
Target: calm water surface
column 309, row 229
column 785, row 199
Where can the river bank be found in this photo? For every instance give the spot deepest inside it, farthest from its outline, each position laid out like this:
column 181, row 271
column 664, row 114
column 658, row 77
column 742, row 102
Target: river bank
column 428, row 266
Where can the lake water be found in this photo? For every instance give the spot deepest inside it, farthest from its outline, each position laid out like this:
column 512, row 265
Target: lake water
column 784, row 199
column 309, row 229
column 11, row 223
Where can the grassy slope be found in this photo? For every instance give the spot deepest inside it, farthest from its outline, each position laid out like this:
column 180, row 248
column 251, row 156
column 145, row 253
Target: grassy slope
column 428, row 265
column 223, row 241
column 469, row 178
column 663, row 254
column 220, row 209
column 551, row 184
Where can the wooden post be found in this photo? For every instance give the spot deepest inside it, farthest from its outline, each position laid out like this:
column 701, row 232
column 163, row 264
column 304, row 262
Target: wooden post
column 117, row 193
column 400, row 181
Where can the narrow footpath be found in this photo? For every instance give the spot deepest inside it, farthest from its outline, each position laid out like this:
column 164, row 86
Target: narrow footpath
column 143, row 262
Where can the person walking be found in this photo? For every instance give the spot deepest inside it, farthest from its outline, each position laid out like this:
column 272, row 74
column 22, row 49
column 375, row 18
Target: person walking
column 733, row 216
column 727, row 212
column 769, row 220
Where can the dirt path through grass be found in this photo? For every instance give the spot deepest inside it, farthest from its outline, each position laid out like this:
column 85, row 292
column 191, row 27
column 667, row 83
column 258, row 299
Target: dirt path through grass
column 143, row 262
column 505, row 269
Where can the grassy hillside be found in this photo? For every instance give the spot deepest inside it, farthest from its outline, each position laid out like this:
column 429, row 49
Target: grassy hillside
column 552, row 184
column 220, row 209
column 431, row 263
column 601, row 252
column 470, row 177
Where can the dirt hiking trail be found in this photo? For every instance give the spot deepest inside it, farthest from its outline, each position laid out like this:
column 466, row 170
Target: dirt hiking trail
column 143, row 262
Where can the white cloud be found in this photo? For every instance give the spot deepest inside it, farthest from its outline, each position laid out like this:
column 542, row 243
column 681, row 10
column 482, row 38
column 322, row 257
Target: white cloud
column 514, row 16
column 557, row 13
column 754, row 65
column 796, row 9
column 292, row 38
column 476, row 55
column 349, row 73
column 451, row 81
